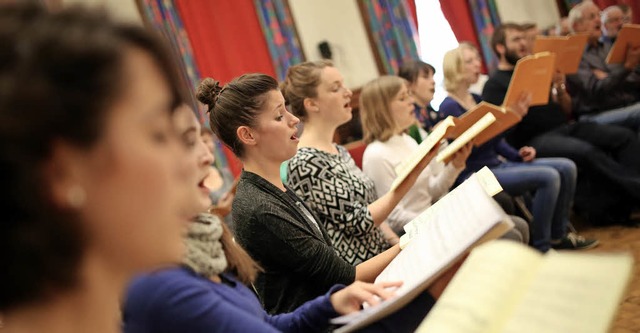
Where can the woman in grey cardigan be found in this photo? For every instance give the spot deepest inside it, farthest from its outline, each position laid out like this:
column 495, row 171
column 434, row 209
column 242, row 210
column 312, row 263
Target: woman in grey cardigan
column 272, row 223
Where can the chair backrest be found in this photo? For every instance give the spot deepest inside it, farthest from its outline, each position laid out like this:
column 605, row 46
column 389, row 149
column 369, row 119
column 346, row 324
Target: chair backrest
column 356, row 150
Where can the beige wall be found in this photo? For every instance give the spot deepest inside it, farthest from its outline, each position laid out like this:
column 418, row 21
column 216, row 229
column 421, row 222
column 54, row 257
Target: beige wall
column 543, row 12
column 339, row 22
column 125, row 10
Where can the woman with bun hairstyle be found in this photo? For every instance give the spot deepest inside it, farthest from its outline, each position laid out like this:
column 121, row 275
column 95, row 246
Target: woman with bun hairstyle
column 94, row 183
column 272, row 223
column 323, row 173
column 207, row 290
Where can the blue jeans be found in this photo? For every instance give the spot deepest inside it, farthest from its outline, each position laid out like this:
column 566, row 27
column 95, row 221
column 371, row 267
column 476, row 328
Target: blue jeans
column 553, row 183
column 628, row 116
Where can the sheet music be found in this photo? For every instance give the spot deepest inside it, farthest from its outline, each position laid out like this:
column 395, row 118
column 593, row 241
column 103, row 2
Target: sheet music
column 440, row 237
column 573, row 292
column 488, row 181
column 485, row 290
column 403, row 169
column 466, row 137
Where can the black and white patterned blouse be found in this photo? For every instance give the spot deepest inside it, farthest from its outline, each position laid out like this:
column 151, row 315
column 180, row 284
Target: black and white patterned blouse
column 339, row 193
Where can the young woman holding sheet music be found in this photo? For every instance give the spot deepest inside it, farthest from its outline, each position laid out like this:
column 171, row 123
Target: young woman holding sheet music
column 386, row 107
column 550, row 180
column 273, row 224
column 387, row 110
column 325, row 176
column 207, row 290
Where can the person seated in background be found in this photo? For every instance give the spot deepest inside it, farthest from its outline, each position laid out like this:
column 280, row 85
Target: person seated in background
column 627, row 13
column 323, row 173
column 207, row 290
column 422, row 86
column 611, row 20
column 220, row 182
column 276, row 227
column 383, row 107
column 530, row 32
column 419, row 76
column 604, row 93
column 386, row 108
column 552, row 181
column 93, row 178
column 607, row 156
column 562, row 28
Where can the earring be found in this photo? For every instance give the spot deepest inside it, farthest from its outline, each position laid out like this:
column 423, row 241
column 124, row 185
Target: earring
column 76, row 196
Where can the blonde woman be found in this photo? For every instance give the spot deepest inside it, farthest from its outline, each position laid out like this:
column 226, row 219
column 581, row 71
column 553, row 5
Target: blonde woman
column 551, row 180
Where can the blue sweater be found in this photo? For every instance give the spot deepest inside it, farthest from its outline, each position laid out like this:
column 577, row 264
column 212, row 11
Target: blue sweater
column 179, row 300
column 487, row 154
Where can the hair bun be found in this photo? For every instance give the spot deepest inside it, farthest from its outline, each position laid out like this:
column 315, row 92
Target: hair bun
column 208, row 92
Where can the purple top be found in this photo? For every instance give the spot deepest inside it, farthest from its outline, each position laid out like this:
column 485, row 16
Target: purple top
column 179, row 300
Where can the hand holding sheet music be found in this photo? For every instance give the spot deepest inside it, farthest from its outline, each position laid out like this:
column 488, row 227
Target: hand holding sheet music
column 532, row 74
column 440, row 237
column 507, row 287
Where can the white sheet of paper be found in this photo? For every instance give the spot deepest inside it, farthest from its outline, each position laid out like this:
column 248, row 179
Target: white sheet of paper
column 466, row 137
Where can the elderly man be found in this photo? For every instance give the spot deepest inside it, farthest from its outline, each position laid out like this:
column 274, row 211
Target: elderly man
column 601, row 92
column 612, row 19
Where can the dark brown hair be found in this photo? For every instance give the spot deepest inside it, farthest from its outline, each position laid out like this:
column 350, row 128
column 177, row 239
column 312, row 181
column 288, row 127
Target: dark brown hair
column 410, row 70
column 60, row 74
column 302, row 82
column 499, row 36
column 237, row 104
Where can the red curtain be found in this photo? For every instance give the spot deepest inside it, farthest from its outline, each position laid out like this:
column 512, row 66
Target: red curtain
column 226, row 37
column 412, row 8
column 634, row 4
column 227, row 41
column 458, row 13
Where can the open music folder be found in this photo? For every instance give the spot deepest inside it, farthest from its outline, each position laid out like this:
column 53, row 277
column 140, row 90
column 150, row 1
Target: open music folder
column 438, row 238
column 532, row 74
column 568, row 50
column 505, row 287
column 485, row 121
column 628, row 36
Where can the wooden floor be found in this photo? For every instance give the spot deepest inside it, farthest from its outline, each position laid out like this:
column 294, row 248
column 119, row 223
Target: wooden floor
column 617, row 238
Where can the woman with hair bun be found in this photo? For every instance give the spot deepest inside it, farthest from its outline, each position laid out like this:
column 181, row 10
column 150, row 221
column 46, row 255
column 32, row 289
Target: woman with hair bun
column 272, row 223
column 207, row 290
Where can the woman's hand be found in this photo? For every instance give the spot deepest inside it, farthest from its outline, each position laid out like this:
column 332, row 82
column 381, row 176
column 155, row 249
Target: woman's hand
column 521, row 106
column 350, row 299
column 459, row 159
column 527, row 153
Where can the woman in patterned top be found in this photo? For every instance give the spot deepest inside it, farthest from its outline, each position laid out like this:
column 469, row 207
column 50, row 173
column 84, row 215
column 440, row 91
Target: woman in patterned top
column 325, row 176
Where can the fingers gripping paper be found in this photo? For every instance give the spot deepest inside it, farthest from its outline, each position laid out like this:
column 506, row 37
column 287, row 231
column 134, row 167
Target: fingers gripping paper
column 465, row 217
